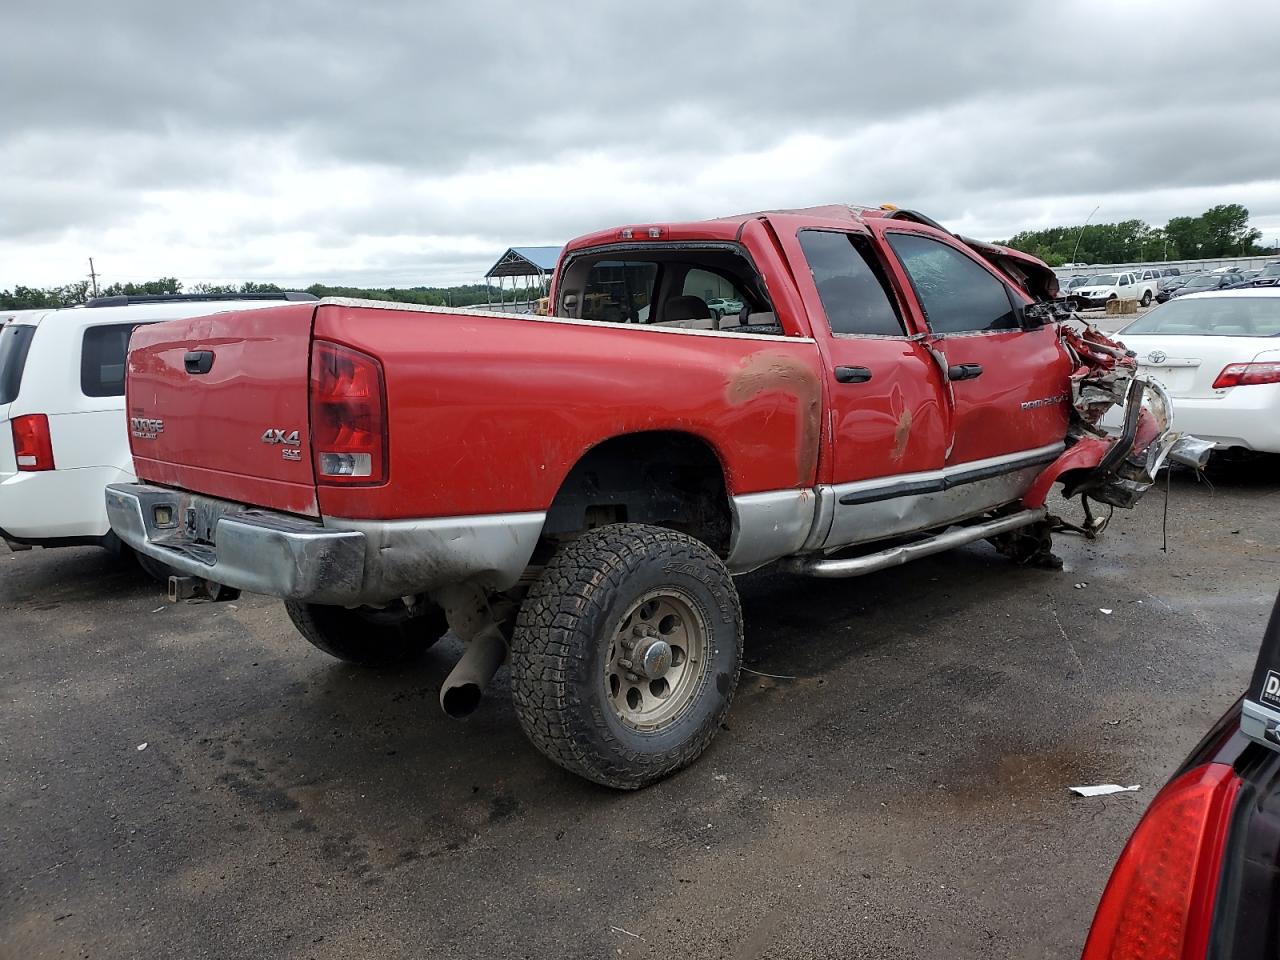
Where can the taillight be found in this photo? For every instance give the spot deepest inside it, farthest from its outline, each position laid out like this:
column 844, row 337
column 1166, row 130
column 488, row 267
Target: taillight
column 1247, row 375
column 32, row 443
column 1158, row 904
column 348, row 416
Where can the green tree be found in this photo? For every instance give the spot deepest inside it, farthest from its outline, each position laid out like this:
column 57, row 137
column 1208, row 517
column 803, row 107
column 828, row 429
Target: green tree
column 1227, row 232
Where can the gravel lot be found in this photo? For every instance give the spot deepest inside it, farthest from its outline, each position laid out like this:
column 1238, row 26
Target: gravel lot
column 899, row 788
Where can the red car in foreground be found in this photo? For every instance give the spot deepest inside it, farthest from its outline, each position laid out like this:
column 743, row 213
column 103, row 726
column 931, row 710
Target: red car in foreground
column 1200, row 877
column 574, row 492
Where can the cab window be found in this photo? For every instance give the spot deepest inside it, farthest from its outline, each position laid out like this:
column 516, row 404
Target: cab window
column 686, row 287
column 956, row 294
column 854, row 292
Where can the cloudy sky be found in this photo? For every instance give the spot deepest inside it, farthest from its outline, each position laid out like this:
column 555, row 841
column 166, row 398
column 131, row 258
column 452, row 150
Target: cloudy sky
column 410, row 143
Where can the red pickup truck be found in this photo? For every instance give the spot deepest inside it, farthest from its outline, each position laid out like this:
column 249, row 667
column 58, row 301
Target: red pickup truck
column 573, row 493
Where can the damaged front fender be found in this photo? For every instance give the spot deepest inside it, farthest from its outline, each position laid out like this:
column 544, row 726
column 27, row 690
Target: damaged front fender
column 1115, row 470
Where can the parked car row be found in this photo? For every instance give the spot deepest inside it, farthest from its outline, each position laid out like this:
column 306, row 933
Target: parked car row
column 1161, row 285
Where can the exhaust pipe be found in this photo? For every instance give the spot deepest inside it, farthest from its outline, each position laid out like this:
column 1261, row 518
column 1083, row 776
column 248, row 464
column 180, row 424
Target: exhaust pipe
column 465, row 684
column 1191, row 452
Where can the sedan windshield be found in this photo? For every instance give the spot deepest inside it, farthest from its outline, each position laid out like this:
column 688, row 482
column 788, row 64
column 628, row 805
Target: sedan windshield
column 1231, row 315
column 1104, row 280
column 1209, row 280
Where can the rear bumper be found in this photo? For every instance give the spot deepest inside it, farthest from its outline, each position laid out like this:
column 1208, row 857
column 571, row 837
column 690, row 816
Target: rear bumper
column 1247, row 417
column 330, row 561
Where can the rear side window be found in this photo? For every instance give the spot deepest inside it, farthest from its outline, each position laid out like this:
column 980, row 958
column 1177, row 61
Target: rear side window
column 618, row 291
column 956, row 294
column 15, row 341
column 854, row 294
column 102, row 360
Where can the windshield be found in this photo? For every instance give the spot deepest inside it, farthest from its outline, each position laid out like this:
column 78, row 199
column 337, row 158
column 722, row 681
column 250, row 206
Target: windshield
column 1230, row 315
column 1271, row 270
column 15, row 341
column 1104, row 280
column 1206, row 281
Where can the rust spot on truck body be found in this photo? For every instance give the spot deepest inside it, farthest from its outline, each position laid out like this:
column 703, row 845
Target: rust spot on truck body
column 765, row 373
column 901, row 435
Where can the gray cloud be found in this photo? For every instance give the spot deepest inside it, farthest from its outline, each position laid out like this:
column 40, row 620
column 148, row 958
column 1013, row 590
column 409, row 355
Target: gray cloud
column 218, row 138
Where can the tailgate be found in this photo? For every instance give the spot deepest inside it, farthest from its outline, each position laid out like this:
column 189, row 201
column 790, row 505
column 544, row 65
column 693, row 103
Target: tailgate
column 218, row 405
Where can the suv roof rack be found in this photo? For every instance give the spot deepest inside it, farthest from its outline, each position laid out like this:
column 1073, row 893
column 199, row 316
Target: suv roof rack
column 124, row 300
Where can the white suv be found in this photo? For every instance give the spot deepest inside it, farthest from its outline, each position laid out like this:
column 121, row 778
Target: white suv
column 62, row 405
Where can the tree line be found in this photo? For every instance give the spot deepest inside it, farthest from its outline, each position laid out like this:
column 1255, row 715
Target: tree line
column 75, row 294
column 1221, row 231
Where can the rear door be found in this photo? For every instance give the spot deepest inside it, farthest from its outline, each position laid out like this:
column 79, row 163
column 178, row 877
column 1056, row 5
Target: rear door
column 1008, row 386
column 888, row 420
column 219, row 405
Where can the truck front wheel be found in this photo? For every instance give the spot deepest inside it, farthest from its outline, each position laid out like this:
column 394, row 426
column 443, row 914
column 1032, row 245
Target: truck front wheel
column 369, row 636
column 626, row 654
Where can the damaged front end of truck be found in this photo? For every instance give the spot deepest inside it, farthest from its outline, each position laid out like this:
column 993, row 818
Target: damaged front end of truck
column 1112, row 469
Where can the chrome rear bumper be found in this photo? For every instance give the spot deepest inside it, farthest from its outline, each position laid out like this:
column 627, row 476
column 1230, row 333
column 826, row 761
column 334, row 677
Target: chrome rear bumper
column 332, row 561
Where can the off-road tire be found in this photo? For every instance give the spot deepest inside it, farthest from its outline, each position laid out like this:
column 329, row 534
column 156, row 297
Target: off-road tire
column 562, row 642
column 367, row 636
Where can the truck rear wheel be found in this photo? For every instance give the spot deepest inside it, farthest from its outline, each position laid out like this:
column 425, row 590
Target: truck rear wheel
column 626, row 654
column 369, row 636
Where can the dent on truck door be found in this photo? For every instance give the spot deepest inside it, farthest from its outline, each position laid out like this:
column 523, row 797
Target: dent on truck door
column 888, row 423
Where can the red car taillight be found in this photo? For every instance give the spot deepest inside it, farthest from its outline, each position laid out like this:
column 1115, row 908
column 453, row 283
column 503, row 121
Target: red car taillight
column 1247, row 374
column 1158, row 904
column 348, row 416
column 32, row 443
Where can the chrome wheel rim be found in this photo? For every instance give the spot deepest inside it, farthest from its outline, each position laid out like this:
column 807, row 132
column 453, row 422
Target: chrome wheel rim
column 657, row 659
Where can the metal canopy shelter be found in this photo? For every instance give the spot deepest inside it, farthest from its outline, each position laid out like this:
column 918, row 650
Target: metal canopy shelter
column 526, row 263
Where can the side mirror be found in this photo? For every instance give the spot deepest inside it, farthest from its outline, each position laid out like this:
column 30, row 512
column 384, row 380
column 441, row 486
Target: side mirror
column 1033, row 316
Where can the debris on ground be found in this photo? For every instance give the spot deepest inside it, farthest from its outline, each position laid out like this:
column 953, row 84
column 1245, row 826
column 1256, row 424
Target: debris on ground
column 1103, row 789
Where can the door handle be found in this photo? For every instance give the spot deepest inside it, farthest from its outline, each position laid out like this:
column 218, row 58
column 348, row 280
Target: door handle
column 964, row 371
column 852, row 374
column 198, row 361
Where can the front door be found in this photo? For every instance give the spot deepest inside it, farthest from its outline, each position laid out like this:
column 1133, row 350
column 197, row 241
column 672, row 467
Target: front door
column 1008, row 386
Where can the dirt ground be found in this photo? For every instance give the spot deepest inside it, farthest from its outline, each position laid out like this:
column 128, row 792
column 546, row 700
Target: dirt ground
column 892, row 779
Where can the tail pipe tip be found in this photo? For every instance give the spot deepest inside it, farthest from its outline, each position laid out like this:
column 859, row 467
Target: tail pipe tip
column 463, row 688
column 1191, row 452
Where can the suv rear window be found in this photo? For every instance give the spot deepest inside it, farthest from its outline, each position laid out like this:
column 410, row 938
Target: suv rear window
column 102, row 360
column 15, row 341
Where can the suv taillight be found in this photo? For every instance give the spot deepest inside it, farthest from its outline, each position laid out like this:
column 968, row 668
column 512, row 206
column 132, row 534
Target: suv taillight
column 1247, row 375
column 32, row 443
column 348, row 416
column 1158, row 904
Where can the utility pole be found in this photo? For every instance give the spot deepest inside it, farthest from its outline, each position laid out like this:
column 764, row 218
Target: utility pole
column 93, row 276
